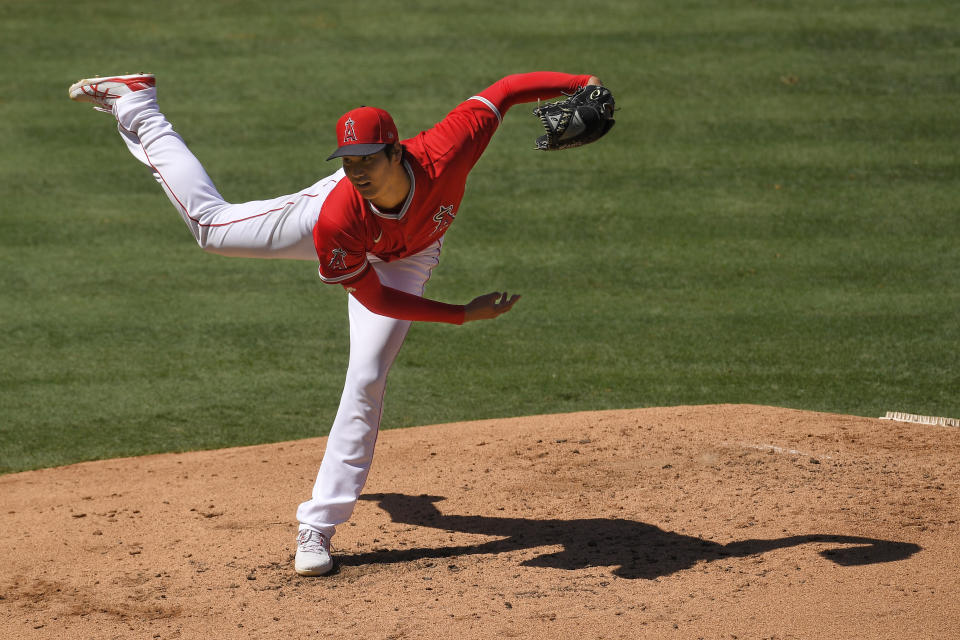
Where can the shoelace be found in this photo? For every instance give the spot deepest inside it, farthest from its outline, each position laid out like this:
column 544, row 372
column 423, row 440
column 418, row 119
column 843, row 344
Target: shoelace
column 312, row 542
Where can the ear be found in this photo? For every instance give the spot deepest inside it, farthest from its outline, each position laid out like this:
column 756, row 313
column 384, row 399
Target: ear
column 396, row 157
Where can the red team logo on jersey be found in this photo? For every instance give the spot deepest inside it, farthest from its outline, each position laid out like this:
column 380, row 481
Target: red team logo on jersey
column 443, row 217
column 338, row 261
column 349, row 135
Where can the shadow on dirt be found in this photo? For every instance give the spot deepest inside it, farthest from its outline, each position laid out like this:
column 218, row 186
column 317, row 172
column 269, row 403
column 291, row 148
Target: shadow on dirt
column 638, row 550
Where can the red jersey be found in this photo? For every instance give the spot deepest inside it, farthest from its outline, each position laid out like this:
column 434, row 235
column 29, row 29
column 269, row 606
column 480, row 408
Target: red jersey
column 437, row 162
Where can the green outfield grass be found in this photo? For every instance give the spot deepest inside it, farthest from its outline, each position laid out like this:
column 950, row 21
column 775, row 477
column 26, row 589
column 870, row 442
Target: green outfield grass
column 775, row 218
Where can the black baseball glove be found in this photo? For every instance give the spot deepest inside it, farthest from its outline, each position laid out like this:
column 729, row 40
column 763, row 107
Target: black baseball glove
column 579, row 119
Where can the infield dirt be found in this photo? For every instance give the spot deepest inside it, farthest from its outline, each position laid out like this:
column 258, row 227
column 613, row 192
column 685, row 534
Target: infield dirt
column 687, row 522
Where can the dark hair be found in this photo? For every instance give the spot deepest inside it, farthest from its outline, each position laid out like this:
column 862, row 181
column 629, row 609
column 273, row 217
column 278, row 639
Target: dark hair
column 392, row 149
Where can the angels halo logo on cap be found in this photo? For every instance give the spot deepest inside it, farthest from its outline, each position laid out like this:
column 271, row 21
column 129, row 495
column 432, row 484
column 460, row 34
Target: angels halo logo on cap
column 349, row 135
column 364, row 131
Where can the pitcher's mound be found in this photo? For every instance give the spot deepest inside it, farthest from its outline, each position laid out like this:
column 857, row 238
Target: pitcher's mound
column 687, row 522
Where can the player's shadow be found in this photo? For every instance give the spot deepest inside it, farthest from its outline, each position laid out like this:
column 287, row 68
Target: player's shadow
column 638, row 550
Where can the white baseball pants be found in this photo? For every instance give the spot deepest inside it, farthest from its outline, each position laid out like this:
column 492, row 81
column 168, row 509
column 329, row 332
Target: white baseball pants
column 277, row 228
column 375, row 342
column 283, row 228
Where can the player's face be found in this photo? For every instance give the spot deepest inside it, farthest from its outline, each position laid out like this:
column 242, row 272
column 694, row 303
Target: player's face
column 371, row 175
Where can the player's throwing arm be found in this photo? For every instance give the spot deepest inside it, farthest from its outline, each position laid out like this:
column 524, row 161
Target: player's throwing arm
column 489, row 306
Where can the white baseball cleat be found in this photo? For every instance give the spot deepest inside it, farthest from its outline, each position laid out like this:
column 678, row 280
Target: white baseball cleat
column 313, row 553
column 104, row 92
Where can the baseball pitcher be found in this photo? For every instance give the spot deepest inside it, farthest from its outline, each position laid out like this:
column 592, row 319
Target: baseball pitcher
column 376, row 226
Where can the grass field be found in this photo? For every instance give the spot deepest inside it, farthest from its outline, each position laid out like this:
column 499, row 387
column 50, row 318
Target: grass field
column 773, row 220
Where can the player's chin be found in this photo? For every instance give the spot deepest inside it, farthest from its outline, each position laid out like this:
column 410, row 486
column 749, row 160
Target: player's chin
column 366, row 189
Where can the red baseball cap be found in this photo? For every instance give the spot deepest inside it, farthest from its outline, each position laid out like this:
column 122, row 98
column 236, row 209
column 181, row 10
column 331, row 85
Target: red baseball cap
column 364, row 131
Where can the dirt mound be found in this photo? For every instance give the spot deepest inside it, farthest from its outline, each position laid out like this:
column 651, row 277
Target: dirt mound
column 688, row 522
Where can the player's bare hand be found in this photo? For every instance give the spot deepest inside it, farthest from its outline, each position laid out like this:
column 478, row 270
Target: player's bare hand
column 489, row 306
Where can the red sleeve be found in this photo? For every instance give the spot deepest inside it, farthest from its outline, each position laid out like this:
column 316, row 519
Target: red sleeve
column 394, row 303
column 530, row 87
column 461, row 137
column 472, row 123
column 339, row 238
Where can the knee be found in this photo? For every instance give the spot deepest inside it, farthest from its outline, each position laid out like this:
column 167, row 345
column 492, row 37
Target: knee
column 366, row 383
column 214, row 243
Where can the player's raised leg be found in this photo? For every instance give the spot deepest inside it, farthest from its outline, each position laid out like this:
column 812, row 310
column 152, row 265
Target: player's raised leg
column 277, row 228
